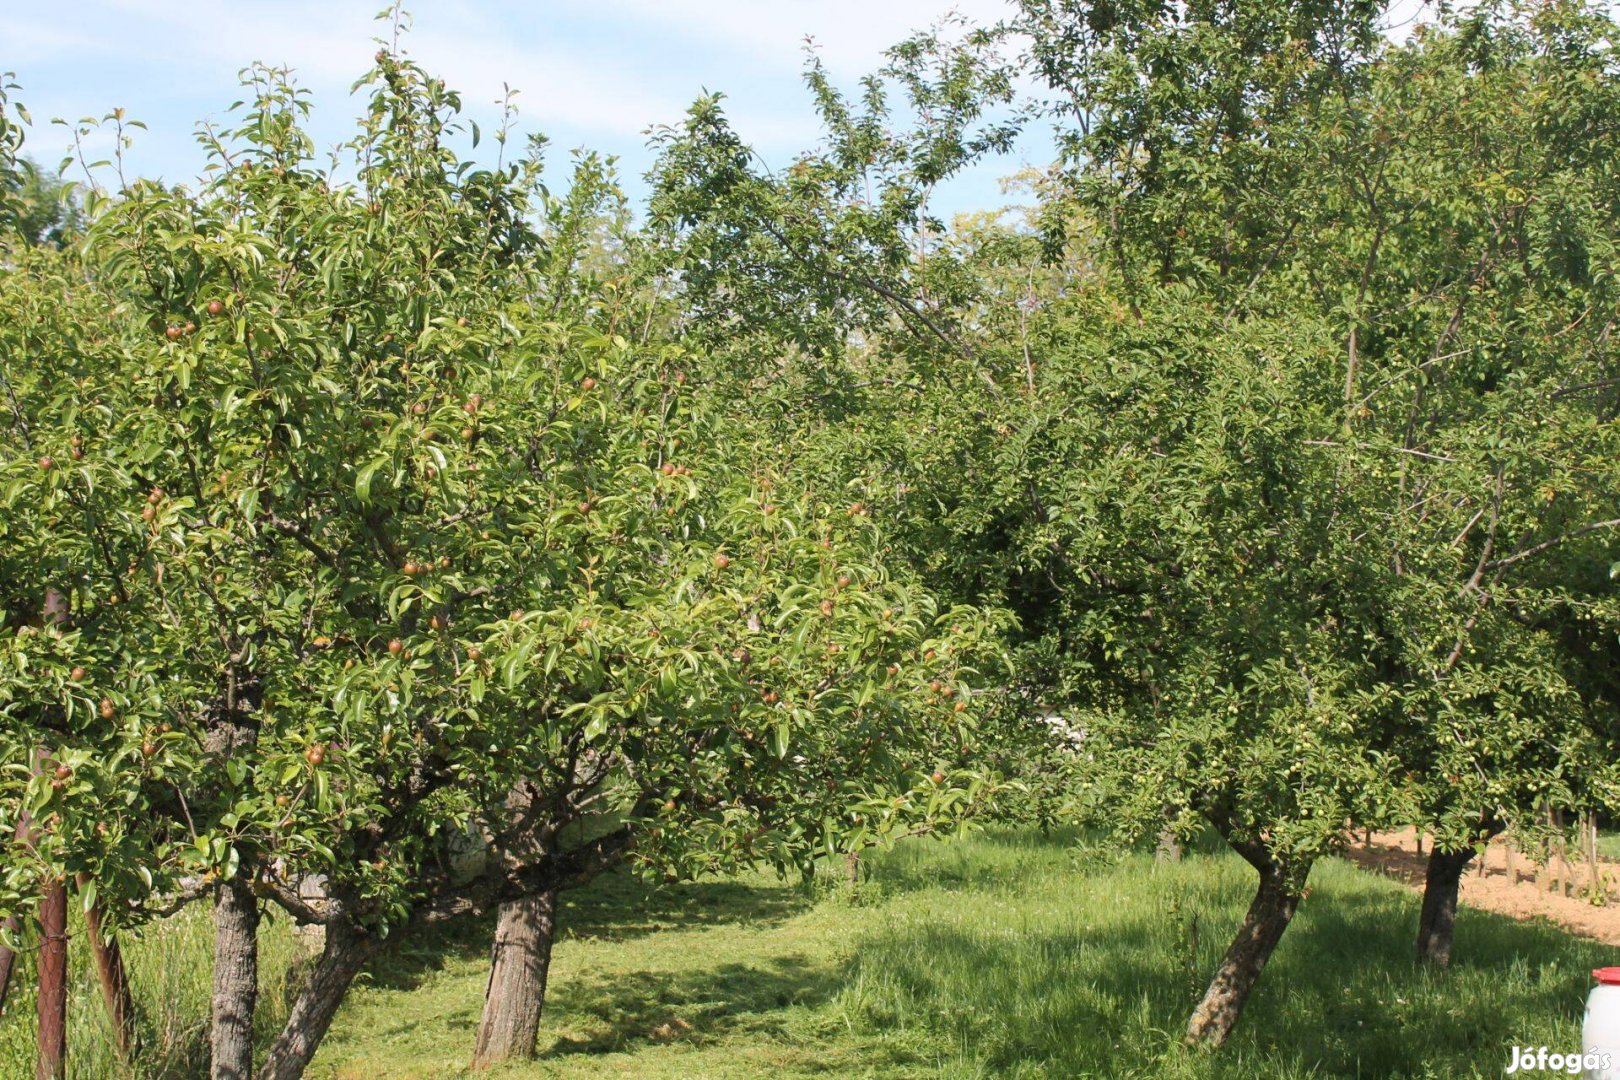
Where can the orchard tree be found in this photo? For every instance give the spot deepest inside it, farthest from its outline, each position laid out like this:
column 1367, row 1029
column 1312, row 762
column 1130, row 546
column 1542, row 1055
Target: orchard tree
column 418, row 552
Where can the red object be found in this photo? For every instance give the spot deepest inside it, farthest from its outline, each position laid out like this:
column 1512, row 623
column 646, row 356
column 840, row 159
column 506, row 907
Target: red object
column 1609, row 976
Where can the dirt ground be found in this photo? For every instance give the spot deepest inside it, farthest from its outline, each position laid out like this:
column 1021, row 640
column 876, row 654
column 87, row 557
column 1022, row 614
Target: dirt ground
column 1516, row 895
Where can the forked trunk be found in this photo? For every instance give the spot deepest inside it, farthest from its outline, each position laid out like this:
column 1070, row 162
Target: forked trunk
column 236, row 981
column 1269, row 915
column 1437, row 923
column 517, row 979
column 345, row 953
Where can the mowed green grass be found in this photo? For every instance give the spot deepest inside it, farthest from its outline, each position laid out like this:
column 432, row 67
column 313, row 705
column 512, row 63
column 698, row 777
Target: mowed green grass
column 1002, row 955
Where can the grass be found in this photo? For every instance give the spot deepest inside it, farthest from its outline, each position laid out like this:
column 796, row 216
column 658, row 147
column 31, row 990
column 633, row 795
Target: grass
column 1005, row 955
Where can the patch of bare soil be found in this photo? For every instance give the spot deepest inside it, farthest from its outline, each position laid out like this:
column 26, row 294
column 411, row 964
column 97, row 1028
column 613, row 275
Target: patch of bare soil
column 1509, row 884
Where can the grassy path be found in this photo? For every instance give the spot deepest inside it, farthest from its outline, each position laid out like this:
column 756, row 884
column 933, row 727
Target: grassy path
column 999, row 956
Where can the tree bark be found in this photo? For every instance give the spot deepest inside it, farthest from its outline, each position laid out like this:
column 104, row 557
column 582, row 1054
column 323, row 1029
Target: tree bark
column 345, row 953
column 114, row 980
column 1438, row 920
column 516, row 993
column 236, row 981
column 51, row 1063
column 1269, row 915
column 8, row 959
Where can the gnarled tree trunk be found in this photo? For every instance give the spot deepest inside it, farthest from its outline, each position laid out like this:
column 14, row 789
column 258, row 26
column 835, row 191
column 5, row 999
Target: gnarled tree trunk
column 1269, row 915
column 236, row 981
column 1438, row 920
column 516, row 993
column 345, row 953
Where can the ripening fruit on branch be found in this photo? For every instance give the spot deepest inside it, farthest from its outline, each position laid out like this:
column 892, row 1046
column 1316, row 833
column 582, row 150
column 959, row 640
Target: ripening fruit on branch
column 474, row 654
column 47, row 464
column 396, row 646
column 721, row 561
column 315, row 754
column 938, row 777
column 107, row 710
column 173, row 332
column 77, row 674
column 587, row 383
column 215, row 307
column 826, row 607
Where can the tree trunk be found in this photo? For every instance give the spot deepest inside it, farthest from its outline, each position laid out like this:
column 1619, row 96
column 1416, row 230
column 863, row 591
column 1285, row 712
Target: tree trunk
column 517, row 979
column 1168, row 849
column 114, row 979
column 236, row 981
column 1439, row 917
column 8, row 959
column 345, row 953
column 1269, row 915
column 52, row 1061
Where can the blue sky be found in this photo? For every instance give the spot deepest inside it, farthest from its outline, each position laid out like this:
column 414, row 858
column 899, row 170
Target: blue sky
column 592, row 73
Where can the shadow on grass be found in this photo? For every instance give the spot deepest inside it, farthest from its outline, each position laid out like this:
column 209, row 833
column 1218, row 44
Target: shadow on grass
column 614, row 907
column 1095, row 976
column 694, row 1006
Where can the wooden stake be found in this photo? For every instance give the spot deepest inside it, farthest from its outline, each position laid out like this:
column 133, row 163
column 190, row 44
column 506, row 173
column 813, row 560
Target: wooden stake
column 52, row 1060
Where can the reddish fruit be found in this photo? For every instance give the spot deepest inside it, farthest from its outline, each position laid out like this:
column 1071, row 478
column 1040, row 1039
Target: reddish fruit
column 587, row 383
column 148, row 513
column 585, row 506
column 961, row 706
column 474, row 653
column 173, row 333
column 215, row 307
column 894, row 669
column 462, row 321
column 76, row 454
column 107, row 710
column 77, row 440
column 164, row 729
column 826, row 607
column 437, row 622
column 420, row 408
column 283, row 801
column 722, row 560
column 155, row 496
column 929, row 655
column 189, row 328
column 517, row 614
column 843, row 581
column 46, row 464
column 77, row 674
column 148, row 748
column 64, row 772
column 396, row 646
column 475, row 400
column 936, row 686
column 444, row 562
column 411, row 569
column 667, row 469
column 771, row 698
column 938, row 777
column 315, row 754
column 467, row 433
column 470, row 408
column 669, row 806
